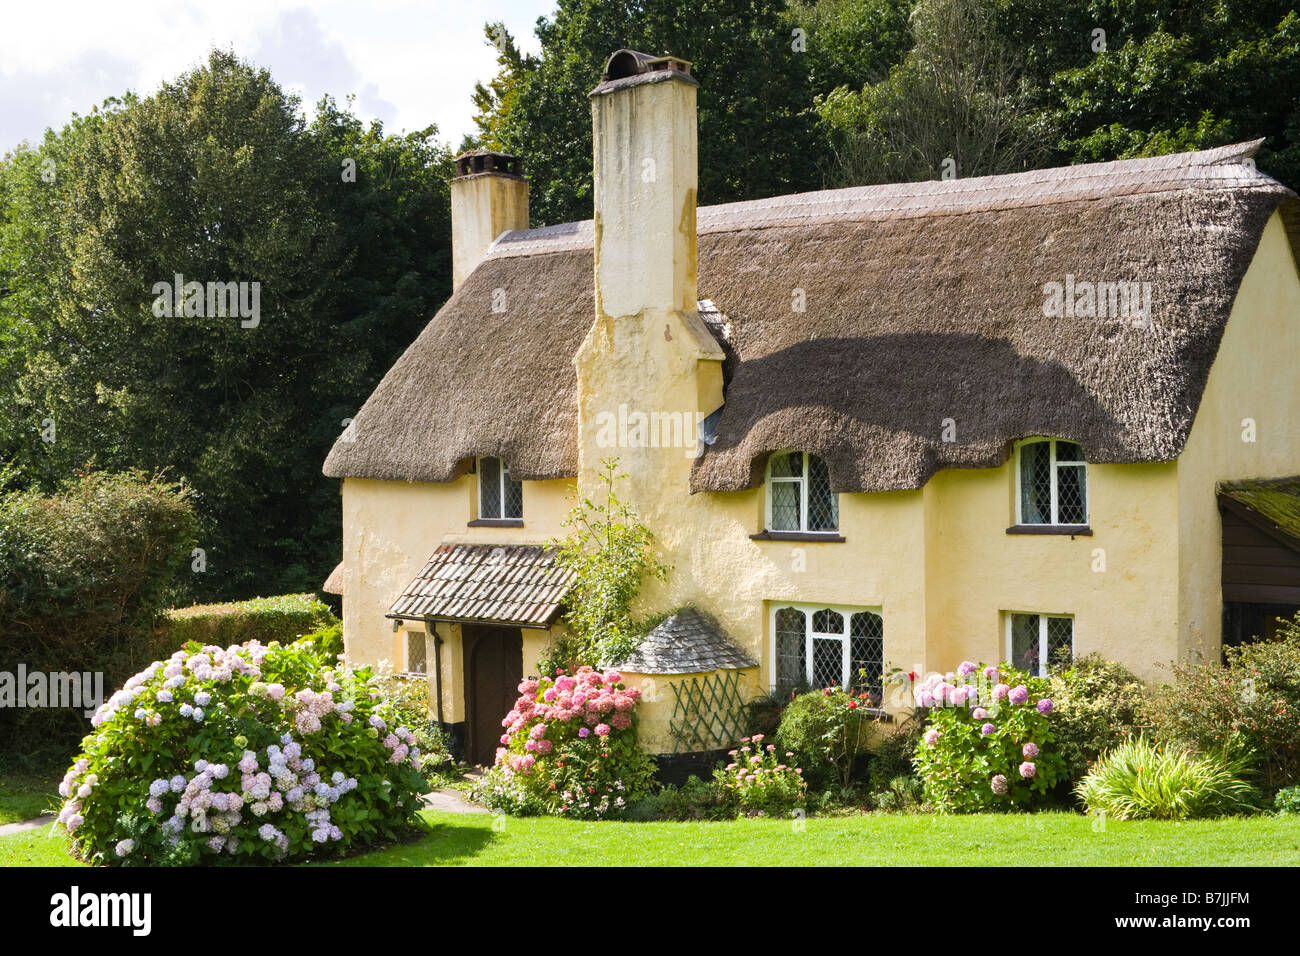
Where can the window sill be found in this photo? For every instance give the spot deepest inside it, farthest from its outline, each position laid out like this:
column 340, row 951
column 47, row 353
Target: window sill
column 1070, row 529
column 496, row 523
column 833, row 536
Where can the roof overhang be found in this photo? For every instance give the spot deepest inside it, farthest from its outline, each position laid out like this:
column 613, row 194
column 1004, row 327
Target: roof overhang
column 504, row 585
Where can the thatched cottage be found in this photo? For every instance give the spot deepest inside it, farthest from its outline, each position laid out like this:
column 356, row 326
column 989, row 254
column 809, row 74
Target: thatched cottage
column 1019, row 416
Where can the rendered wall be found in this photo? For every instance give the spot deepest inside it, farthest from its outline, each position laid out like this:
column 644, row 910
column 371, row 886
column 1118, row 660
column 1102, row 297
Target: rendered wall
column 1253, row 377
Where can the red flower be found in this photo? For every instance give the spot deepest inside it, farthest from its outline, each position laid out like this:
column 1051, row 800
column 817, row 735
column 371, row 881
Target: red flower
column 911, row 676
column 853, row 705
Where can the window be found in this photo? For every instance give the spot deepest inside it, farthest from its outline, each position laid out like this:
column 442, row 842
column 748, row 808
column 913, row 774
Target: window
column 416, row 661
column 499, row 496
column 1040, row 643
column 828, row 647
column 1051, row 483
column 799, row 496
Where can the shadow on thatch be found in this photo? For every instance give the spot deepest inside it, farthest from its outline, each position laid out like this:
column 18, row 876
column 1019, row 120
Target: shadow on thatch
column 890, row 396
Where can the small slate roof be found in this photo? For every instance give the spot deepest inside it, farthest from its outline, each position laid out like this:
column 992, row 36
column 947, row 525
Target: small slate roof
column 1275, row 501
column 685, row 643
column 510, row 584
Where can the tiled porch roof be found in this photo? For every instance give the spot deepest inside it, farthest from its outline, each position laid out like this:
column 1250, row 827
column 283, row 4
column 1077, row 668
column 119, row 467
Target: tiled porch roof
column 509, row 584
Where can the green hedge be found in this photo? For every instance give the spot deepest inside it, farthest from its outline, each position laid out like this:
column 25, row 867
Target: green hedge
column 84, row 578
column 283, row 618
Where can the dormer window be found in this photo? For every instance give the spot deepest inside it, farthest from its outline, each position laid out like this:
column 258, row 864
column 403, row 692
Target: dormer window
column 500, row 498
column 1051, row 483
column 799, row 496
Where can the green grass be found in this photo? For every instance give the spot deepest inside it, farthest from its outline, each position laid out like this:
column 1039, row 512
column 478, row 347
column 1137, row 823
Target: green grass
column 1007, row 840
column 23, row 797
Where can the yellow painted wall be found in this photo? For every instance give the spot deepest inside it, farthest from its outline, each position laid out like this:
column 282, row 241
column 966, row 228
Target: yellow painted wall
column 659, row 701
column 1254, row 376
column 390, row 528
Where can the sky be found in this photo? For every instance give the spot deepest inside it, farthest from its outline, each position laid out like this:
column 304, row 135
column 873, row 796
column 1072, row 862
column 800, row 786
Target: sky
column 410, row 64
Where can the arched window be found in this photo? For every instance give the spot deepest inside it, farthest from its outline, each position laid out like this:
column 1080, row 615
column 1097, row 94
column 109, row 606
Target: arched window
column 820, row 647
column 499, row 496
column 1051, row 482
column 799, row 496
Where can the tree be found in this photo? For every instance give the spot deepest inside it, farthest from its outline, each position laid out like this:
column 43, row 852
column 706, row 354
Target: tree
column 957, row 104
column 756, row 124
column 1167, row 78
column 216, row 178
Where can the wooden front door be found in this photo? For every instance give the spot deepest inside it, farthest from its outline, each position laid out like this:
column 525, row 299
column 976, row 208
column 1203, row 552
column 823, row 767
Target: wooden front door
column 494, row 666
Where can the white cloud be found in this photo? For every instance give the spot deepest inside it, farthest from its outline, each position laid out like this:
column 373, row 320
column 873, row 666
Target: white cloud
column 409, row 63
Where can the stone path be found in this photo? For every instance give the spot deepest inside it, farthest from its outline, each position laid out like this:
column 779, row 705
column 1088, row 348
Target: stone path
column 8, row 828
column 451, row 801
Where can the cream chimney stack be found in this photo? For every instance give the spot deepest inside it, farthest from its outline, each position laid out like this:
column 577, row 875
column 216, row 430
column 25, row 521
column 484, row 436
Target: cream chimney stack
column 644, row 145
column 489, row 196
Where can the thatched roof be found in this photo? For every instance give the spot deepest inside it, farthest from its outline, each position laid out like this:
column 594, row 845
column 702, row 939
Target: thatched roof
column 686, row 642
column 923, row 302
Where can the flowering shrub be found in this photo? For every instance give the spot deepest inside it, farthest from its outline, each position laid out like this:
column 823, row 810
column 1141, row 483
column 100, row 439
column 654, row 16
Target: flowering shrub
column 1248, row 707
column 987, row 743
column 827, row 731
column 249, row 753
column 758, row 781
column 569, row 749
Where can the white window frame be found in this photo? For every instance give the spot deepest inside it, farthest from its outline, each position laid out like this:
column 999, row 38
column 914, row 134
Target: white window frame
column 1009, row 616
column 503, row 475
column 844, row 610
column 1052, row 471
column 802, row 480
column 407, row 635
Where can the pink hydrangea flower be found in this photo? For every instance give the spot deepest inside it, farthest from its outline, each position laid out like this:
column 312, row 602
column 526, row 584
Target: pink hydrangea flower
column 931, row 737
column 1000, row 692
column 1045, row 705
column 1030, row 750
column 602, row 730
column 1019, row 694
column 987, row 729
column 1027, row 770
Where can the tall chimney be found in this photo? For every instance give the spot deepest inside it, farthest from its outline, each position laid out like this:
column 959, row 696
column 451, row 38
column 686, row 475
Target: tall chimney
column 489, row 196
column 644, row 145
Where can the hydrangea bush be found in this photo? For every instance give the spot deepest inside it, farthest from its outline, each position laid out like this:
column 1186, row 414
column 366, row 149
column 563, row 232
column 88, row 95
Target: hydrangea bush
column 988, row 744
column 758, row 780
column 569, row 749
column 251, row 753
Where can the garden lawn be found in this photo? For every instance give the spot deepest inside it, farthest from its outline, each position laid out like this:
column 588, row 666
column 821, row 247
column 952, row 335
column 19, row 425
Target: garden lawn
column 24, row 797
column 1046, row 839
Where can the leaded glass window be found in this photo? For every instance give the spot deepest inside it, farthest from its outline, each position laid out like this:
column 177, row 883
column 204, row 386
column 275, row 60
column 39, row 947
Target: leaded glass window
column 826, row 647
column 499, row 496
column 791, row 632
column 799, row 494
column 1053, row 483
column 1040, row 643
column 416, row 653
